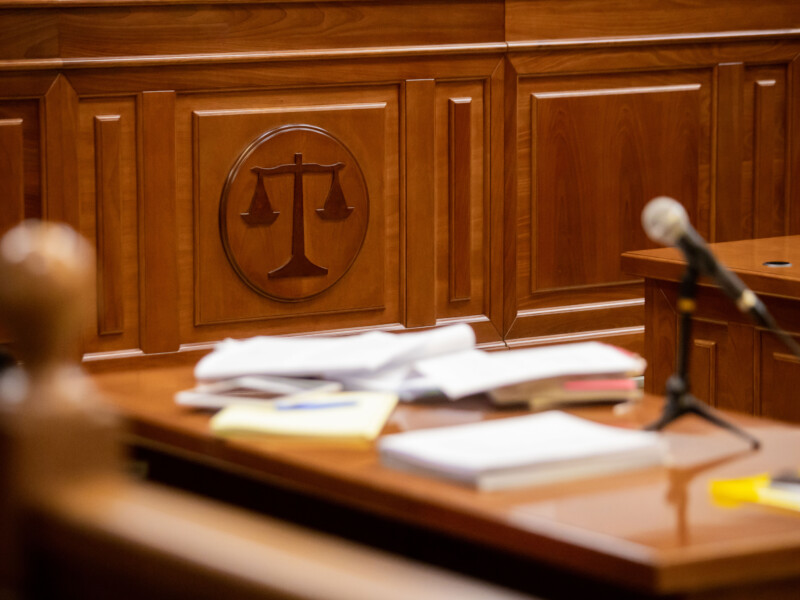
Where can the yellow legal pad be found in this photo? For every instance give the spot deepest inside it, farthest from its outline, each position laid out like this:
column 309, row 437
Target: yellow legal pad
column 340, row 415
column 759, row 489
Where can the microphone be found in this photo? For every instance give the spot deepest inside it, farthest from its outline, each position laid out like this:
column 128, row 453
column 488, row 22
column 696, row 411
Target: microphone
column 665, row 221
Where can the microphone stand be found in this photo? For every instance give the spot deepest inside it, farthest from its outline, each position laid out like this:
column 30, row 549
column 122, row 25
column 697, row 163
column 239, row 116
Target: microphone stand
column 679, row 399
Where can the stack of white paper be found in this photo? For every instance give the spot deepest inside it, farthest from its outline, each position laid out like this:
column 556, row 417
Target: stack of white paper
column 442, row 361
column 518, row 451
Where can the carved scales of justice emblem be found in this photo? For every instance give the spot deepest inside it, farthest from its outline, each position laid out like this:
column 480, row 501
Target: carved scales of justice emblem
column 260, row 211
column 264, row 217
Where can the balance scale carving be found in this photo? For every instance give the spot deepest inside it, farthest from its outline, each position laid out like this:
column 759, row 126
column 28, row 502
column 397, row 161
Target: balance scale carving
column 260, row 212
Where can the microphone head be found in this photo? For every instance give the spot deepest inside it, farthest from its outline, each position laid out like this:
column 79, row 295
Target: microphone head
column 665, row 220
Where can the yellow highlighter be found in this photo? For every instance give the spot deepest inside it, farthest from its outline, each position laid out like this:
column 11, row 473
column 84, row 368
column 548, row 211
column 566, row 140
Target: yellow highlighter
column 780, row 492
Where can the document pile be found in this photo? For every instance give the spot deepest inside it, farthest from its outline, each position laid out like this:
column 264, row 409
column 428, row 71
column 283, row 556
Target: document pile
column 440, row 362
column 533, row 449
column 588, row 372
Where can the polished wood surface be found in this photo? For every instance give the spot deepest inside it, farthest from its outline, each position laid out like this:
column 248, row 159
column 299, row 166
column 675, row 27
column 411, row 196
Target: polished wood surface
column 734, row 364
column 507, row 149
column 73, row 525
column 656, row 531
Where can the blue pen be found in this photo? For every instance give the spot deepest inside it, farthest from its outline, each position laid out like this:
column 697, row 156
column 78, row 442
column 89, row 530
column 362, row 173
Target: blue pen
column 315, row 405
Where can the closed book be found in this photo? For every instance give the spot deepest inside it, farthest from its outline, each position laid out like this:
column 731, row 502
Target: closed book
column 571, row 391
column 520, row 451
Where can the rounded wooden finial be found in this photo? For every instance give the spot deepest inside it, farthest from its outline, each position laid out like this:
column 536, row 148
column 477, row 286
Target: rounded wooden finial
column 45, row 274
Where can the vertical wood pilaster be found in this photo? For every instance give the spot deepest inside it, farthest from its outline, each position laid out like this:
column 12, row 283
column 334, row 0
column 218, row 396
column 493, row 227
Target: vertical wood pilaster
column 420, row 231
column 732, row 219
column 793, row 159
column 61, row 154
column 510, row 100
column 159, row 329
column 497, row 233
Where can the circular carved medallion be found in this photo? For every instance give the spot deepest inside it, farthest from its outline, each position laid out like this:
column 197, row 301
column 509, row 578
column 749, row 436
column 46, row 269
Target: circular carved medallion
column 293, row 212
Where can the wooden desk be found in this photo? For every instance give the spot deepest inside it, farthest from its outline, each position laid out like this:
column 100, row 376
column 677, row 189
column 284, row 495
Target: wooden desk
column 653, row 533
column 734, row 365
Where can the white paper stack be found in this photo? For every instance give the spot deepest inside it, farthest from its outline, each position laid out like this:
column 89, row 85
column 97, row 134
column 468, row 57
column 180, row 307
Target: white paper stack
column 442, row 361
column 519, row 451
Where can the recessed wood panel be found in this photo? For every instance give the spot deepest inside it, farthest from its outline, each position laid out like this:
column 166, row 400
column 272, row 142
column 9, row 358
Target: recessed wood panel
column 345, row 257
column 12, row 170
column 703, row 369
column 109, row 214
column 779, row 380
column 598, row 149
column 721, row 365
column 460, row 175
column 28, row 113
column 462, row 206
column 766, row 98
column 110, row 307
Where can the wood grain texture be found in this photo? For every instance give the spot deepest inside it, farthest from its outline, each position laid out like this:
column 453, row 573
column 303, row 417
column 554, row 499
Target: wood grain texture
column 159, row 327
column 600, row 147
column 793, row 149
column 357, row 127
column 664, row 517
column 462, row 200
column 12, row 178
column 779, row 378
column 419, row 227
column 28, row 111
column 765, row 202
column 166, row 29
column 459, row 197
column 60, row 134
column 526, row 20
column 741, row 374
column 733, row 216
column 577, row 117
column 110, row 300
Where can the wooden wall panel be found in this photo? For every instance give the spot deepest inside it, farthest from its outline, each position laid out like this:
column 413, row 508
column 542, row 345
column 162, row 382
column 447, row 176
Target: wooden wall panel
column 507, row 149
column 109, row 209
column 460, row 178
column 462, row 155
column 575, row 19
column 592, row 150
column 60, row 135
column 733, row 213
column 769, row 206
column 793, row 147
column 420, row 213
column 703, row 371
column 751, row 167
column 232, row 286
column 28, row 111
column 779, row 380
column 12, row 174
column 159, row 326
column 163, row 28
column 598, row 154
column 109, row 225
